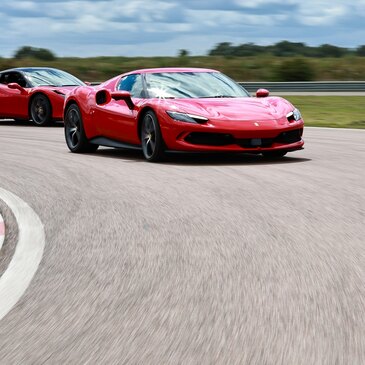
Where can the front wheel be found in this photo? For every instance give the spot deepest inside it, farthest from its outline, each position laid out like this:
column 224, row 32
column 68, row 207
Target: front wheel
column 274, row 154
column 41, row 110
column 75, row 136
column 151, row 137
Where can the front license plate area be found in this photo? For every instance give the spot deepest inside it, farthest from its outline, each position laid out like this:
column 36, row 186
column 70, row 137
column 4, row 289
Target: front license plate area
column 256, row 142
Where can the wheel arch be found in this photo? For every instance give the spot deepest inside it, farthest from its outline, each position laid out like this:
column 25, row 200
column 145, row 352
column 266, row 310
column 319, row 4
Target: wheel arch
column 141, row 115
column 68, row 104
column 89, row 127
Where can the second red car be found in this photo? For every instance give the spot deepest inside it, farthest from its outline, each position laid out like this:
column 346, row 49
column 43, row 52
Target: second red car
column 35, row 93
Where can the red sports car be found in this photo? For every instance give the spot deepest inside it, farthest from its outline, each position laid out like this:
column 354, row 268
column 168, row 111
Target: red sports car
column 35, row 93
column 180, row 109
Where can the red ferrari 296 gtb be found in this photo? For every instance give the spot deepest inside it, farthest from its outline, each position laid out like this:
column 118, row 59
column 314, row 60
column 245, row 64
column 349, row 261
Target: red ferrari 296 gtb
column 35, row 93
column 180, row 109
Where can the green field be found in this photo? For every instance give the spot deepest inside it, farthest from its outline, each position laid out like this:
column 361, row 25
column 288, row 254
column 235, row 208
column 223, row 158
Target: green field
column 331, row 111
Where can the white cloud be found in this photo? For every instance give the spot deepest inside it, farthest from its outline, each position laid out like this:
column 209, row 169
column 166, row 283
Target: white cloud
column 260, row 3
column 23, row 5
column 162, row 27
column 322, row 13
column 215, row 18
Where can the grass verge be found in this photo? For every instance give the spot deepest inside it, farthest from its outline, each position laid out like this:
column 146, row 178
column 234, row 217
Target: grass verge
column 331, row 111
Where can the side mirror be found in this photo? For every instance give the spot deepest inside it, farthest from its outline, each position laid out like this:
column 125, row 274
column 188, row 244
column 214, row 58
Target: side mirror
column 15, row 86
column 87, row 83
column 123, row 95
column 262, row 93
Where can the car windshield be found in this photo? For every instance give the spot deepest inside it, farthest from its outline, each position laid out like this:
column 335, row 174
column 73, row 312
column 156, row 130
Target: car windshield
column 51, row 77
column 193, row 85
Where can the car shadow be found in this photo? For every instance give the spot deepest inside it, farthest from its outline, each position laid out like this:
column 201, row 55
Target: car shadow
column 27, row 123
column 177, row 158
column 193, row 159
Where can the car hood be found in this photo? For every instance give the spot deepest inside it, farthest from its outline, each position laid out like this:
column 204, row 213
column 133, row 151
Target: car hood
column 243, row 109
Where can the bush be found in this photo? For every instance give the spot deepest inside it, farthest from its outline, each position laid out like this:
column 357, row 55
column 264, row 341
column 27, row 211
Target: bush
column 33, row 52
column 360, row 51
column 296, row 69
column 328, row 50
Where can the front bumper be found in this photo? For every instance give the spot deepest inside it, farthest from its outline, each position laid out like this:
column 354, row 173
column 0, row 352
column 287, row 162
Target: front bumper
column 237, row 137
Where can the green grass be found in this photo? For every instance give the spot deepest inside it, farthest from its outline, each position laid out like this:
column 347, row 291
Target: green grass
column 331, row 111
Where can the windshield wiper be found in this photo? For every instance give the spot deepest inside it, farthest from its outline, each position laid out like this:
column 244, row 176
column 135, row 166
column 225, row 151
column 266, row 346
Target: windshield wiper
column 217, row 96
column 70, row 85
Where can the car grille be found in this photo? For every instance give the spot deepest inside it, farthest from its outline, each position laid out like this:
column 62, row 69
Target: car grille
column 220, row 139
column 210, row 139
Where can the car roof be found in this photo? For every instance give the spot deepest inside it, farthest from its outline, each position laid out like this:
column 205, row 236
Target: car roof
column 27, row 69
column 171, row 69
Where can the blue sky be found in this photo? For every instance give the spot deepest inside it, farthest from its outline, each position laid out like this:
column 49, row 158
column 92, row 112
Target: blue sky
column 162, row 27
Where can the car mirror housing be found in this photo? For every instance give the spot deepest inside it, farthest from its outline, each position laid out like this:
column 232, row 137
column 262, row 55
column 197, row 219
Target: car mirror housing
column 15, row 86
column 123, row 95
column 104, row 96
column 262, row 93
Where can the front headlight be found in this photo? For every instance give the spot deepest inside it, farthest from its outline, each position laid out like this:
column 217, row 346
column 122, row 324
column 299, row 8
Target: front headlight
column 185, row 117
column 294, row 115
column 297, row 115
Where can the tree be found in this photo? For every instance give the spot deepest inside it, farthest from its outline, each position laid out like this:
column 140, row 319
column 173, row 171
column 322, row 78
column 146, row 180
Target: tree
column 183, row 53
column 328, row 50
column 34, row 52
column 222, row 49
column 287, row 49
column 248, row 49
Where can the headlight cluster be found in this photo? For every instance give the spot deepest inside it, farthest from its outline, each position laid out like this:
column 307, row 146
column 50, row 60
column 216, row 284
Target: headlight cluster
column 185, row 117
column 294, row 115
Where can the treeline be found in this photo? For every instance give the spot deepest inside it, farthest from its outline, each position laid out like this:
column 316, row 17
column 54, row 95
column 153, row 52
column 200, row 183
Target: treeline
column 285, row 49
column 227, row 49
column 281, row 66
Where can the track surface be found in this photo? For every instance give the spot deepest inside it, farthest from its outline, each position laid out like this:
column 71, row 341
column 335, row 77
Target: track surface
column 200, row 260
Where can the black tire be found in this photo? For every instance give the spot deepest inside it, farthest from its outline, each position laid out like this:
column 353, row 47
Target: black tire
column 41, row 110
column 75, row 136
column 151, row 137
column 274, row 154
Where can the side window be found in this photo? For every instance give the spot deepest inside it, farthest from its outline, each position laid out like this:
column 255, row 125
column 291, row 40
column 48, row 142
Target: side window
column 4, row 78
column 133, row 84
column 7, row 78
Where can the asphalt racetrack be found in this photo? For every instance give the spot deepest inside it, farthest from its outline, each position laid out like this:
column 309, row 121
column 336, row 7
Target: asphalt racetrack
column 198, row 260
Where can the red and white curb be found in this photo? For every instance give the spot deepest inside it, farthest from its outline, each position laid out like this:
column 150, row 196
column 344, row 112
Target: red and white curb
column 2, row 231
column 28, row 252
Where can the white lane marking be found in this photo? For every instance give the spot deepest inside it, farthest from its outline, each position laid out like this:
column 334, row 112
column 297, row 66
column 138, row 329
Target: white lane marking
column 2, row 231
column 27, row 256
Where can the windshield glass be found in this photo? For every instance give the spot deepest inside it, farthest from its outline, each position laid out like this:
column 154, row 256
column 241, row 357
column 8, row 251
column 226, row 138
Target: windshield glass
column 51, row 77
column 192, row 85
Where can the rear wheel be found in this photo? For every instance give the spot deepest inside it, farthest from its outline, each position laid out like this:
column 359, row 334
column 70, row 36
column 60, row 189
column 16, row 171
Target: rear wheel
column 41, row 110
column 75, row 136
column 274, row 154
column 151, row 137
